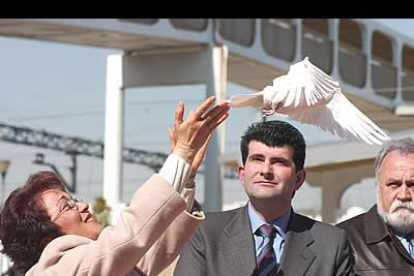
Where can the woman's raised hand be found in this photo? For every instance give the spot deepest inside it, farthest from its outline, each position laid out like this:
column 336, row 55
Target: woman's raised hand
column 193, row 133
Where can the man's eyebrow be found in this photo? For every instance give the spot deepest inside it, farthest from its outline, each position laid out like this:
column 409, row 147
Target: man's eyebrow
column 256, row 155
column 280, row 159
column 392, row 179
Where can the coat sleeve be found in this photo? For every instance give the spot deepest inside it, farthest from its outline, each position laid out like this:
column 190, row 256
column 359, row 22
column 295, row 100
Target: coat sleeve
column 169, row 245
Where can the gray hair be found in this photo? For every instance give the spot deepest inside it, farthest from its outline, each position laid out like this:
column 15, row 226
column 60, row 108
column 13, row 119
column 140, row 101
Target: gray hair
column 404, row 146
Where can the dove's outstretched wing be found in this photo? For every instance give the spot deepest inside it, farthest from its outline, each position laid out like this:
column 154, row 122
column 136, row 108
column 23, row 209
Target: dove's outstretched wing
column 342, row 118
column 304, row 85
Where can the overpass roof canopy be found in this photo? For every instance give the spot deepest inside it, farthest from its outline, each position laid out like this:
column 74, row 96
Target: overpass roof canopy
column 374, row 64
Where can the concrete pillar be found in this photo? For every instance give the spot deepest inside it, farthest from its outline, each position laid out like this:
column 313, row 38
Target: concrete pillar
column 299, row 30
column 213, row 174
column 397, row 52
column 367, row 47
column 332, row 191
column 114, row 130
column 334, row 36
column 335, row 180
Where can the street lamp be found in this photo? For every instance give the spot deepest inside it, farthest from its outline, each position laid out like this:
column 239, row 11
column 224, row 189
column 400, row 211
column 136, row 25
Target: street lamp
column 4, row 166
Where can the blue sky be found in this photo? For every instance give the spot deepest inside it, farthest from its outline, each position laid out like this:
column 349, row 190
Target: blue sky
column 61, row 88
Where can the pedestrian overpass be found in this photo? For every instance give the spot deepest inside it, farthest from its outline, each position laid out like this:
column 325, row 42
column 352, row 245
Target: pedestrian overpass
column 374, row 64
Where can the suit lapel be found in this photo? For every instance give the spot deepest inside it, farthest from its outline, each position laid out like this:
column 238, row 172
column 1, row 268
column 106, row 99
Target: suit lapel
column 239, row 245
column 297, row 256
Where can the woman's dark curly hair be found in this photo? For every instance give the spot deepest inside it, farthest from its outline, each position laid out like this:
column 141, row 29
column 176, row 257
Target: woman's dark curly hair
column 25, row 226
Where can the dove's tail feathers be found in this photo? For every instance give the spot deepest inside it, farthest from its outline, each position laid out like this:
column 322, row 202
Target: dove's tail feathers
column 247, row 100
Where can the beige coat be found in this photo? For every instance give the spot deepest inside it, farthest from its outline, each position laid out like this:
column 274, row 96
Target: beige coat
column 149, row 235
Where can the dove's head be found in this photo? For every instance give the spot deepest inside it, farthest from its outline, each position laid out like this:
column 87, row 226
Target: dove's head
column 394, row 173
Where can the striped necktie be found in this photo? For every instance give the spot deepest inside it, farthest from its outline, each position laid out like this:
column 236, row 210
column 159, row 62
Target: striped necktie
column 410, row 240
column 266, row 258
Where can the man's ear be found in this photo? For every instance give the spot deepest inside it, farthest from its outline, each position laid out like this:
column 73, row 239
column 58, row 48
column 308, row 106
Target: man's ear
column 300, row 178
column 240, row 172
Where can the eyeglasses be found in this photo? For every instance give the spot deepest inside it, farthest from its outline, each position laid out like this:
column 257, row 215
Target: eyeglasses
column 70, row 204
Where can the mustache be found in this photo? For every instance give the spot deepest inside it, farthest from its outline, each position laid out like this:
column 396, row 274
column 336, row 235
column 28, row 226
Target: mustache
column 397, row 204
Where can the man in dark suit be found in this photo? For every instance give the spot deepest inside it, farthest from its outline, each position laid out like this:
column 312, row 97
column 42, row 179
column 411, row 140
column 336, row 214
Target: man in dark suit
column 266, row 237
column 383, row 238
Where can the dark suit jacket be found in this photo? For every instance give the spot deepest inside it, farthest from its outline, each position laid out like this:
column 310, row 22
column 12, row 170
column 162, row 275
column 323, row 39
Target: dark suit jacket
column 224, row 246
column 378, row 252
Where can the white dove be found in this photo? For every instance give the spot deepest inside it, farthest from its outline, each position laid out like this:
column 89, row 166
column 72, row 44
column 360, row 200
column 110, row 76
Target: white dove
column 311, row 96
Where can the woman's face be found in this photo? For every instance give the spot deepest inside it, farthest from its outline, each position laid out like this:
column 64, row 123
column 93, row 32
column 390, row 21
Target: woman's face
column 72, row 217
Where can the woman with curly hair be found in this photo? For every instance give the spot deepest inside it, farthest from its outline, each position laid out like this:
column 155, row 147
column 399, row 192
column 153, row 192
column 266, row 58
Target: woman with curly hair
column 46, row 232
